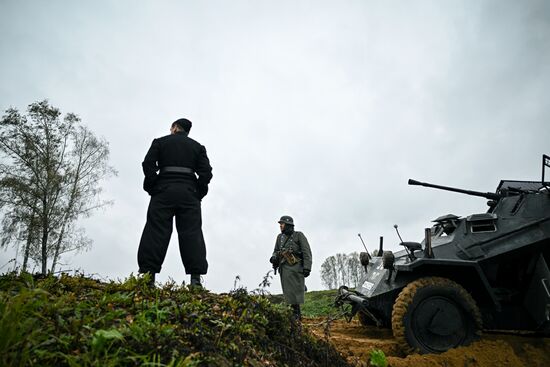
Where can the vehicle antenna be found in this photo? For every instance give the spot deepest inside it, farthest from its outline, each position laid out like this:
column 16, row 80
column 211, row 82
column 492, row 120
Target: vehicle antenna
column 365, row 246
column 395, row 226
column 406, row 249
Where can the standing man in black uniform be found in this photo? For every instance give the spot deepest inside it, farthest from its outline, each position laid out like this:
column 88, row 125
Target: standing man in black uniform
column 184, row 173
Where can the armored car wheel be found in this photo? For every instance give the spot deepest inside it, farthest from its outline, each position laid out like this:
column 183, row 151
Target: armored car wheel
column 433, row 314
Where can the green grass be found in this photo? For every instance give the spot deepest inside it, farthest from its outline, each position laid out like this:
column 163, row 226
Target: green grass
column 316, row 303
column 319, row 303
column 77, row 321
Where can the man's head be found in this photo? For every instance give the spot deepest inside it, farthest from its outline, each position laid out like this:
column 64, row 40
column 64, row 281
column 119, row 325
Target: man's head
column 183, row 125
column 286, row 222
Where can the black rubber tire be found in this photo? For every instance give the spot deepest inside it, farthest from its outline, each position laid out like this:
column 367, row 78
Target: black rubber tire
column 432, row 315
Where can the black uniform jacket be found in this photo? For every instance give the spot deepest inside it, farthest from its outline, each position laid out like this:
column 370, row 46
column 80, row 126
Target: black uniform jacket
column 181, row 151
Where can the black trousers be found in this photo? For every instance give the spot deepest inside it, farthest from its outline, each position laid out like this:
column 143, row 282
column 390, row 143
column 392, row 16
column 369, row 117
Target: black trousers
column 177, row 200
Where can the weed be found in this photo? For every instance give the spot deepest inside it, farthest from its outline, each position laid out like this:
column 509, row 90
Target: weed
column 378, row 358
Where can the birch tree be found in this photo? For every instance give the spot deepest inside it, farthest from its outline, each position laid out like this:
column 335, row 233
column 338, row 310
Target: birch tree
column 342, row 269
column 50, row 176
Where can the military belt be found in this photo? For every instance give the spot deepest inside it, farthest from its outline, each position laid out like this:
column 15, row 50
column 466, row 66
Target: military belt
column 176, row 169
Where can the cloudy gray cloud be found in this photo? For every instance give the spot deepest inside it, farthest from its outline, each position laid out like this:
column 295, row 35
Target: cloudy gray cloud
column 317, row 109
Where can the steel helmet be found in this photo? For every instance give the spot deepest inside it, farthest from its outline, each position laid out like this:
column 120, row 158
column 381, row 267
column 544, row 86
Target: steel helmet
column 286, row 220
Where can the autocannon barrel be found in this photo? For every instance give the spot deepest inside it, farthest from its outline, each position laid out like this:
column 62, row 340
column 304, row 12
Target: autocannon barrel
column 488, row 195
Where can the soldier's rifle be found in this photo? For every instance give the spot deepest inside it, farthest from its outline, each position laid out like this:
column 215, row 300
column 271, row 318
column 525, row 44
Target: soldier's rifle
column 285, row 255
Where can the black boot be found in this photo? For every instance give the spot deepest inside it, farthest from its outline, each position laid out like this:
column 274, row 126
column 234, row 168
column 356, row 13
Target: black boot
column 196, row 280
column 151, row 281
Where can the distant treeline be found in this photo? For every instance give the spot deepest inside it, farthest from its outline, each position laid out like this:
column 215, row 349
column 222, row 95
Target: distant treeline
column 342, row 269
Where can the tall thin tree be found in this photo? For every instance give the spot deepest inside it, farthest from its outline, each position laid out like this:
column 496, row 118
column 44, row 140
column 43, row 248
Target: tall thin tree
column 50, row 176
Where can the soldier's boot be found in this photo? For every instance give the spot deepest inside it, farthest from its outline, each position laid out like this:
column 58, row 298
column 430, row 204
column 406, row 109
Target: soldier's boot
column 151, row 281
column 196, row 281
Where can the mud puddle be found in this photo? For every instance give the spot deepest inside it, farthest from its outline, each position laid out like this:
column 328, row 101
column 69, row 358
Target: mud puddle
column 493, row 349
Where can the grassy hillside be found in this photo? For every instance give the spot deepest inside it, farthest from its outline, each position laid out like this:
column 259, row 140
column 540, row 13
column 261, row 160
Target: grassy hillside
column 319, row 303
column 77, row 321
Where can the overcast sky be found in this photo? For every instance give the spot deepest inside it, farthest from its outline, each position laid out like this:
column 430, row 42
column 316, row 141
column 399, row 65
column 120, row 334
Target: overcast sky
column 321, row 110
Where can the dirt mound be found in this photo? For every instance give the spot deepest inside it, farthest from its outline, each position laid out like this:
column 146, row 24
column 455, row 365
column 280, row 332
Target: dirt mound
column 77, row 321
column 356, row 343
column 63, row 321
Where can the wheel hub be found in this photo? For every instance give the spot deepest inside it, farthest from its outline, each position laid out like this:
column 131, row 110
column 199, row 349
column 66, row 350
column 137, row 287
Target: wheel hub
column 438, row 324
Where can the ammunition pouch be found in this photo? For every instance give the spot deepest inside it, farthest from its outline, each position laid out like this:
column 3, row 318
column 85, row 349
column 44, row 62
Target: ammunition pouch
column 289, row 257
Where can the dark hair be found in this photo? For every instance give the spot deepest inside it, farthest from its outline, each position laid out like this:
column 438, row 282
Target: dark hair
column 184, row 124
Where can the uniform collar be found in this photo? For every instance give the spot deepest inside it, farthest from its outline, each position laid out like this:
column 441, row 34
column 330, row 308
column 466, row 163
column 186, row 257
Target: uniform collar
column 288, row 233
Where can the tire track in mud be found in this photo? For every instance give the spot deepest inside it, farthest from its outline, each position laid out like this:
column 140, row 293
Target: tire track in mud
column 356, row 341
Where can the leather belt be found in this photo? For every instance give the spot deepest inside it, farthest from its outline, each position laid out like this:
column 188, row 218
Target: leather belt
column 176, row 169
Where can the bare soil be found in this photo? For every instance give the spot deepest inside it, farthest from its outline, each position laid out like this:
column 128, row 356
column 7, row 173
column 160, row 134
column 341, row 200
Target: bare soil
column 493, row 349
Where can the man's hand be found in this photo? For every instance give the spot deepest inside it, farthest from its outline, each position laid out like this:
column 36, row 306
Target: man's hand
column 306, row 273
column 275, row 261
column 202, row 190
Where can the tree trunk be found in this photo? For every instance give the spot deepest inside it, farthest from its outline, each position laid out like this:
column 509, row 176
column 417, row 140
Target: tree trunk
column 27, row 249
column 44, row 252
column 31, row 231
column 54, row 261
column 58, row 248
column 44, row 244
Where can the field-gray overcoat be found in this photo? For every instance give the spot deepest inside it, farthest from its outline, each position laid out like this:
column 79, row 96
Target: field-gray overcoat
column 292, row 275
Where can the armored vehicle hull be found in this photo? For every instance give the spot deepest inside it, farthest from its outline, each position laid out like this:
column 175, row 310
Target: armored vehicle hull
column 484, row 271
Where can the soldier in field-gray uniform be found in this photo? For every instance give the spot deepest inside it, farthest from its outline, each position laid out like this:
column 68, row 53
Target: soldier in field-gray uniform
column 292, row 256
